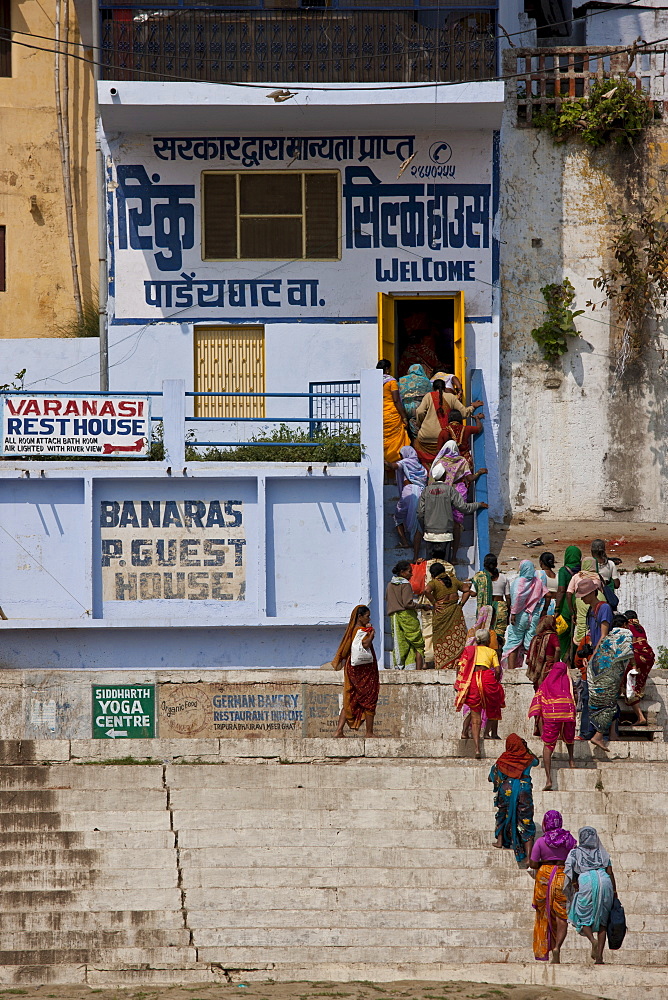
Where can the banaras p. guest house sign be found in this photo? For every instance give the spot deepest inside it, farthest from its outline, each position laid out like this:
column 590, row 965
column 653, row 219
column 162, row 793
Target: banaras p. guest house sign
column 103, row 426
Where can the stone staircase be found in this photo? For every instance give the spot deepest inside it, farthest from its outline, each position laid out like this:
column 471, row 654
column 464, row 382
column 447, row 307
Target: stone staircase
column 332, row 868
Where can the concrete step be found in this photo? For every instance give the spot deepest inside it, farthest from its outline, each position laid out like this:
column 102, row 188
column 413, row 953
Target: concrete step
column 63, row 776
column 461, row 774
column 72, row 799
column 417, row 878
column 238, row 957
column 127, row 921
column 95, row 939
column 74, row 879
column 89, row 899
column 437, row 840
column 132, row 956
column 84, row 820
column 114, row 858
column 340, row 896
column 131, row 840
column 360, row 819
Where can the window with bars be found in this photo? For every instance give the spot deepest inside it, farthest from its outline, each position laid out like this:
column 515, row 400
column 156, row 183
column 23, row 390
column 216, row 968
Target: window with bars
column 270, row 215
column 229, row 359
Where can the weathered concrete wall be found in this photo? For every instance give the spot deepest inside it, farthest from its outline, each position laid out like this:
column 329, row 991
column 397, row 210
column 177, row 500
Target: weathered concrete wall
column 39, row 296
column 227, row 705
column 576, row 441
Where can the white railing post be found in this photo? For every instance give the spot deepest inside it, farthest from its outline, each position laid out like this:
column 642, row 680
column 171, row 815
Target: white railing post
column 371, row 434
column 174, row 422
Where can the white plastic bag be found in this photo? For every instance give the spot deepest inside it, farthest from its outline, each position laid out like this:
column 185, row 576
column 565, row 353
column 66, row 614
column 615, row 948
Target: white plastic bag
column 631, row 679
column 358, row 654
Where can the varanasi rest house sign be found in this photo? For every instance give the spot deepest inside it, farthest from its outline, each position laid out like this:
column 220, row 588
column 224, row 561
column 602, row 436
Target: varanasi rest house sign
column 113, row 426
column 124, row 712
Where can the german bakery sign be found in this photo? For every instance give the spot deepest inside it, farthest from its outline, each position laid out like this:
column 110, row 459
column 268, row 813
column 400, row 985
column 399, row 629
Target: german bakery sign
column 104, row 426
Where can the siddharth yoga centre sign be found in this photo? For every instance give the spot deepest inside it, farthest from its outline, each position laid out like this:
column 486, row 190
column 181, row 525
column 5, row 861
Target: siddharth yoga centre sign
column 396, row 212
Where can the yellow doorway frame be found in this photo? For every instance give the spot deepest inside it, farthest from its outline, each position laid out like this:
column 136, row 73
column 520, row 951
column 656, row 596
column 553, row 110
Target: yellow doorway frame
column 387, row 314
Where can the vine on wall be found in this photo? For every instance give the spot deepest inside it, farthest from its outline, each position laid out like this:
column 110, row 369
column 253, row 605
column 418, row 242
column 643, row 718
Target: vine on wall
column 614, row 111
column 637, row 282
column 553, row 334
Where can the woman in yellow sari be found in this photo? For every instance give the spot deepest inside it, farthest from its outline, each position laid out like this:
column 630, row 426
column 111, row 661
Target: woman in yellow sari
column 395, row 419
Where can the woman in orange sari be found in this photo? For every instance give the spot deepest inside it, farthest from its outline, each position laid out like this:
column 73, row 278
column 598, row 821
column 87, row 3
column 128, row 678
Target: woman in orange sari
column 395, row 419
column 360, row 678
column 548, row 857
column 477, row 685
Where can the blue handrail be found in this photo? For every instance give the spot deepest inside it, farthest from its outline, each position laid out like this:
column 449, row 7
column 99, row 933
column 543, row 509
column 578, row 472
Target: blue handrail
column 481, row 489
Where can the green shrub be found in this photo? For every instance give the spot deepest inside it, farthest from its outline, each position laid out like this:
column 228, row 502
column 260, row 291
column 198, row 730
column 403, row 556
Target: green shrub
column 330, row 448
column 553, row 333
column 614, row 111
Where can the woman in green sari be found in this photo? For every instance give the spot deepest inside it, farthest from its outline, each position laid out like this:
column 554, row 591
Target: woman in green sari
column 572, row 560
column 449, row 627
column 483, row 584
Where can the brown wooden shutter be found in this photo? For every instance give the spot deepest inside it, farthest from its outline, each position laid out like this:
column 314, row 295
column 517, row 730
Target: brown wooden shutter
column 3, row 259
column 322, row 216
column 220, row 216
column 5, row 38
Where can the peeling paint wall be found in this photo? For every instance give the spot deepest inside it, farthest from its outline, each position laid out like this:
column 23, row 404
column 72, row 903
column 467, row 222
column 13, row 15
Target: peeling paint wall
column 576, row 442
column 39, row 292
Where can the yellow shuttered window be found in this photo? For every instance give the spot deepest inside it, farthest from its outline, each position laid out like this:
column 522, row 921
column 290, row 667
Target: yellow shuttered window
column 229, row 359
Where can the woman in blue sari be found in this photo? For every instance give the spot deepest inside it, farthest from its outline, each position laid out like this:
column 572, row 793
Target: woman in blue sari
column 513, row 798
column 590, row 885
column 605, row 671
column 413, row 387
column 527, row 597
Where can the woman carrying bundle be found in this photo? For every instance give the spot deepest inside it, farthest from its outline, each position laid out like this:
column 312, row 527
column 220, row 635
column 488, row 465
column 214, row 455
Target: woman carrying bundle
column 448, row 625
column 360, row 678
column 590, row 881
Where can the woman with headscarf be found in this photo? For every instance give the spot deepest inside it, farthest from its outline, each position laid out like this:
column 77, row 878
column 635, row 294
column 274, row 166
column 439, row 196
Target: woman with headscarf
column 462, row 433
column 572, row 560
column 542, row 651
column 432, row 419
column 491, row 588
column 411, row 480
column 590, row 877
column 549, row 899
column 451, row 469
column 360, row 674
column 554, row 706
column 605, row 671
column 579, row 609
column 477, row 685
column 395, row 420
column 637, row 672
column 413, row 387
column 527, row 592
column 448, row 625
column 513, row 798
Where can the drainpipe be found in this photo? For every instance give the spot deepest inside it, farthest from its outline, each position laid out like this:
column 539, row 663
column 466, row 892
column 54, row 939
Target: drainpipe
column 101, row 210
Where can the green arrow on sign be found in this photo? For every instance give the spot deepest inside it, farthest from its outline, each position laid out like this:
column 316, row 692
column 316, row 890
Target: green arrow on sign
column 123, row 711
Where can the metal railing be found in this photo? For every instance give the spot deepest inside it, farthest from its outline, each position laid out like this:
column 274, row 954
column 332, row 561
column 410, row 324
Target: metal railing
column 336, row 409
column 299, row 46
column 539, row 80
column 314, row 421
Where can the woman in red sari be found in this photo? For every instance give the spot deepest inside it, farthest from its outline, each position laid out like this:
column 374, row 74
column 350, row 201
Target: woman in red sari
column 360, row 678
column 477, row 686
column 638, row 670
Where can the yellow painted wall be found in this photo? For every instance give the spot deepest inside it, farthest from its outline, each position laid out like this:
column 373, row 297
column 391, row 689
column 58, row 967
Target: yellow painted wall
column 39, row 297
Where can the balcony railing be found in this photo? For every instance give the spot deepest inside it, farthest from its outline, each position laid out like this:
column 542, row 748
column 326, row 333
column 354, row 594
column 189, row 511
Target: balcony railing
column 540, row 79
column 299, row 46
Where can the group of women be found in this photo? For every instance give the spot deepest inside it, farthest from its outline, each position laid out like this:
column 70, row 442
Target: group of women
column 574, row 881
column 423, row 426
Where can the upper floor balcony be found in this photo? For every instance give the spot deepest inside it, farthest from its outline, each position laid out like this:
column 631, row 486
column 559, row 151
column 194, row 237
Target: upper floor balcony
column 299, row 41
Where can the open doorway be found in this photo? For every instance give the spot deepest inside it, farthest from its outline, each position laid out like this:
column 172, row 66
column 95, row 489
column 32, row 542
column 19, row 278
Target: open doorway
column 425, row 334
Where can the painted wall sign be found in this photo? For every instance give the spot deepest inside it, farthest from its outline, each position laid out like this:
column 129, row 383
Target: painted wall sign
column 103, row 426
column 231, row 711
column 416, row 214
column 173, row 550
column 122, row 712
